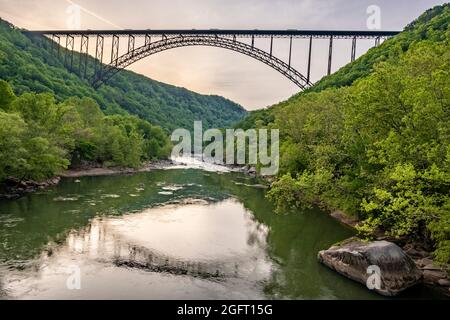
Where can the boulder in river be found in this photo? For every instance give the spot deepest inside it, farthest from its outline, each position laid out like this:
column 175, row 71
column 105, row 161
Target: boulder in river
column 381, row 265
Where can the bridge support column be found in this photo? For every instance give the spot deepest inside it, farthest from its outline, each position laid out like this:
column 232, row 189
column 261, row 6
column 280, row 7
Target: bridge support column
column 56, row 43
column 98, row 54
column 84, row 52
column 330, row 55
column 377, row 41
column 115, row 49
column 290, row 51
column 353, row 49
column 271, row 45
column 131, row 41
column 308, row 76
column 148, row 40
column 70, row 42
column 253, row 41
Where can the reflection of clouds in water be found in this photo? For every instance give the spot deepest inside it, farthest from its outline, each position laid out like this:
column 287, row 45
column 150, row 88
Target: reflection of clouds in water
column 192, row 243
column 249, row 262
column 120, row 241
column 257, row 232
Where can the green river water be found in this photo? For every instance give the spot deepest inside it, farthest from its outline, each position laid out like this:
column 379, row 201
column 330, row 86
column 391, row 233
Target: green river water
column 168, row 234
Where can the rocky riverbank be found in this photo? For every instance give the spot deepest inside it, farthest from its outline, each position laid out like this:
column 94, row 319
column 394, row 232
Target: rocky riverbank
column 429, row 273
column 380, row 265
column 90, row 171
column 432, row 274
column 401, row 267
column 13, row 188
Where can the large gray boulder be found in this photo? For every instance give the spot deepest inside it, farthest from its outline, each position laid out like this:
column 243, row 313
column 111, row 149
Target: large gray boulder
column 381, row 265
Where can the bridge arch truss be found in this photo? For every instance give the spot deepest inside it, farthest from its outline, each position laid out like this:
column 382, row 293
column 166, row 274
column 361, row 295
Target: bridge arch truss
column 200, row 40
column 170, row 39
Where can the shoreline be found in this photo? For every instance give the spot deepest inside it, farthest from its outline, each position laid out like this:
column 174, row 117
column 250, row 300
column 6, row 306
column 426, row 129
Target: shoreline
column 433, row 275
column 13, row 189
column 103, row 171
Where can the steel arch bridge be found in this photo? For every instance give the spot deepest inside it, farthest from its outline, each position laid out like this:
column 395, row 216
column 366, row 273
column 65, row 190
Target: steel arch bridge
column 169, row 39
column 202, row 40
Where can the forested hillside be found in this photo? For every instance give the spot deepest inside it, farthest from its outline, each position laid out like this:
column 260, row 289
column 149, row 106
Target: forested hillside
column 432, row 26
column 374, row 138
column 29, row 65
column 40, row 137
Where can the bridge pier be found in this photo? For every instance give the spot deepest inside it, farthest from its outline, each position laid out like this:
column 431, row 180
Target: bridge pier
column 330, row 55
column 271, row 45
column 290, row 51
column 70, row 43
column 308, row 76
column 115, row 49
column 377, row 41
column 84, row 52
column 353, row 49
column 131, row 41
column 148, row 40
column 56, row 43
column 98, row 62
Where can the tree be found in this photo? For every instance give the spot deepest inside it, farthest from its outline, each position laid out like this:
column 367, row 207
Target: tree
column 12, row 149
column 6, row 95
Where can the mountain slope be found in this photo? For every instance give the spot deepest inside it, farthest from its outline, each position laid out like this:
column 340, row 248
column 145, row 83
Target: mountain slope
column 28, row 64
column 431, row 25
column 373, row 140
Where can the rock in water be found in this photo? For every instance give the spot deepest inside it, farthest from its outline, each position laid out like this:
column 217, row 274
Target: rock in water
column 360, row 260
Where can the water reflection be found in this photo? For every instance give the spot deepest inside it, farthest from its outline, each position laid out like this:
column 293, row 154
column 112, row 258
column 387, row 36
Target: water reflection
column 215, row 236
column 215, row 240
column 218, row 242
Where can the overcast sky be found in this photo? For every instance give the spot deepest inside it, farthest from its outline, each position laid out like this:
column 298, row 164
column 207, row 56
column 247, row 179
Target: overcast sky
column 218, row 71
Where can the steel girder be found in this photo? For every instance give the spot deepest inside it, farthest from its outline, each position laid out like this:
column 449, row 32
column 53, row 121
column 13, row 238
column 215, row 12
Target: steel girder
column 317, row 34
column 68, row 54
column 200, row 40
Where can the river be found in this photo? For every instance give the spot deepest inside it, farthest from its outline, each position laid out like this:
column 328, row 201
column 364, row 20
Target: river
column 177, row 233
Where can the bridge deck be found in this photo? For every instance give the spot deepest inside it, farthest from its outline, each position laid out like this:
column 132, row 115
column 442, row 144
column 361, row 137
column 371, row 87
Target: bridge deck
column 228, row 33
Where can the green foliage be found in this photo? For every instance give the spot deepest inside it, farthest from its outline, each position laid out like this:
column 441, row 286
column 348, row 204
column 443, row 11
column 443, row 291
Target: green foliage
column 29, row 64
column 380, row 148
column 6, row 95
column 262, row 117
column 43, row 159
column 12, row 130
column 288, row 193
column 432, row 25
column 40, row 137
